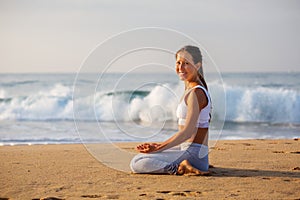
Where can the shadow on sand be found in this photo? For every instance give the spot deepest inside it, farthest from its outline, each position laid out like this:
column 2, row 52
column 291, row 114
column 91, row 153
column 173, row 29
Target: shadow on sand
column 236, row 172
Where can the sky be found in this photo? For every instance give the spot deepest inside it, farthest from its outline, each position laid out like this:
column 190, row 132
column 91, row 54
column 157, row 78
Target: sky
column 57, row 36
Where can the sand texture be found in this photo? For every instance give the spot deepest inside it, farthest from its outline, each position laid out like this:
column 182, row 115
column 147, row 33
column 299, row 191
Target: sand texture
column 243, row 169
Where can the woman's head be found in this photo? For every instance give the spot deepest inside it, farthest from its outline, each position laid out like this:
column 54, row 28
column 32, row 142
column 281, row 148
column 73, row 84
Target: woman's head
column 193, row 51
column 189, row 64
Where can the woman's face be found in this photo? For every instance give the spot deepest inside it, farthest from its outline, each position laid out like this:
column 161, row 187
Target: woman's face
column 185, row 67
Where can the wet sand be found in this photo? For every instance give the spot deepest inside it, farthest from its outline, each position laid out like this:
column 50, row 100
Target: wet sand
column 243, row 169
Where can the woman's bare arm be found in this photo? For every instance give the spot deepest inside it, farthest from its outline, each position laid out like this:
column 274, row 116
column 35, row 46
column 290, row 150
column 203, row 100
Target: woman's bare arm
column 196, row 100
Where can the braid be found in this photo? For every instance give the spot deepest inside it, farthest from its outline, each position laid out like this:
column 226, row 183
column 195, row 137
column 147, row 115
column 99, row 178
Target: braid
column 200, row 75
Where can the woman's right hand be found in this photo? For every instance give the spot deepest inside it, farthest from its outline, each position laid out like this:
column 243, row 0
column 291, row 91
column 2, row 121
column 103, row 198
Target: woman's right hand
column 147, row 147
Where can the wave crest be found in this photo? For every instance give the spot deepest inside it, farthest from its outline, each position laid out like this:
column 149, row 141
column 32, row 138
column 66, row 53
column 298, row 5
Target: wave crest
column 243, row 105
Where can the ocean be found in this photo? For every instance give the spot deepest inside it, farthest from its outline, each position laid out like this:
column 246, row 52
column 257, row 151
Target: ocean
column 133, row 107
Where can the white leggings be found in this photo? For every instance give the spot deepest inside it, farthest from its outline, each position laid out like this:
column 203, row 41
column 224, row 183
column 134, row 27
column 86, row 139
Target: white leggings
column 168, row 161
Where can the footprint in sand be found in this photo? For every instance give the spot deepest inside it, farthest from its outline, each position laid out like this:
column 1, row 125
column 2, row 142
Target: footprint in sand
column 91, row 196
column 248, row 144
column 49, row 198
column 278, row 152
column 266, row 178
column 295, row 152
column 186, row 193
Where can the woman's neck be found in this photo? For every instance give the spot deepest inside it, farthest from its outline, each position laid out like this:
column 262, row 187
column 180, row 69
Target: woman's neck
column 189, row 85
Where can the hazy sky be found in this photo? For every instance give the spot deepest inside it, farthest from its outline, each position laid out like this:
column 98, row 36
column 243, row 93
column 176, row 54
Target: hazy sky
column 57, row 35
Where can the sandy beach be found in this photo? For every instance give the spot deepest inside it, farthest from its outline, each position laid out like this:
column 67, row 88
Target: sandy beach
column 242, row 169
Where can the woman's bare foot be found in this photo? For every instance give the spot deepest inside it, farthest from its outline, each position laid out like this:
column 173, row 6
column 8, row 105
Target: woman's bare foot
column 186, row 168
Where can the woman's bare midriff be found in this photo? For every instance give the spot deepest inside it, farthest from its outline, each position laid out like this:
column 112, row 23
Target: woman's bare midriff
column 201, row 136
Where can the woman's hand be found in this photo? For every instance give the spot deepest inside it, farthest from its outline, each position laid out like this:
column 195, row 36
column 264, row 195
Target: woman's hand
column 147, row 147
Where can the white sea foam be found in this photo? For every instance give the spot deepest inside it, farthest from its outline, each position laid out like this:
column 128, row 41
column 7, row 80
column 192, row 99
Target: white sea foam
column 243, row 104
column 271, row 105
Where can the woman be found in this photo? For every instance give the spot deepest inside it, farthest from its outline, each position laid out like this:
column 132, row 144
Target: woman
column 194, row 116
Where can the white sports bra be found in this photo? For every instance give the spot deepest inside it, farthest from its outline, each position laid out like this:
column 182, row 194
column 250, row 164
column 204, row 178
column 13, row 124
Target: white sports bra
column 204, row 116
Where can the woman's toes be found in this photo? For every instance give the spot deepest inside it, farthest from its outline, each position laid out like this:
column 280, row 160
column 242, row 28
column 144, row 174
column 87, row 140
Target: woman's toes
column 186, row 168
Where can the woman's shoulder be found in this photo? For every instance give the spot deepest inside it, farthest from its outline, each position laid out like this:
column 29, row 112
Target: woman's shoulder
column 196, row 92
column 199, row 91
column 197, row 96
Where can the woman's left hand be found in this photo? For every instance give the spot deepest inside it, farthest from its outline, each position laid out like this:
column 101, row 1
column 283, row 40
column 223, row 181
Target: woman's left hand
column 147, row 147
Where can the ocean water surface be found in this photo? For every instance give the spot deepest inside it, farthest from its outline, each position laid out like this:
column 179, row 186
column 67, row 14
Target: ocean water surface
column 116, row 107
